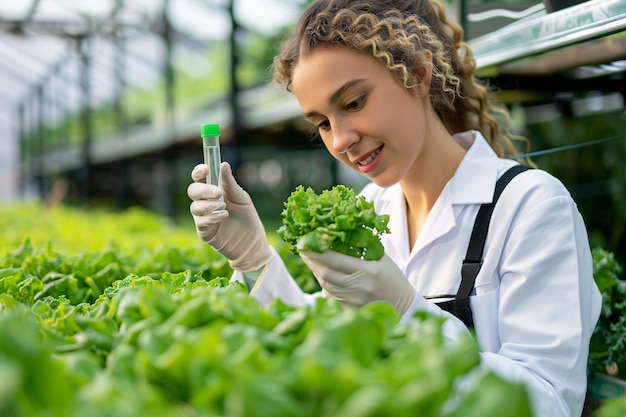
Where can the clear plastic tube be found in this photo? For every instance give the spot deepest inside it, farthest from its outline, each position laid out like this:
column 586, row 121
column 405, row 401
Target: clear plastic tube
column 212, row 158
column 211, row 150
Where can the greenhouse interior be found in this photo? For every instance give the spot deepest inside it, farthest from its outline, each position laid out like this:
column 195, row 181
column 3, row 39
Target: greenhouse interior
column 111, row 303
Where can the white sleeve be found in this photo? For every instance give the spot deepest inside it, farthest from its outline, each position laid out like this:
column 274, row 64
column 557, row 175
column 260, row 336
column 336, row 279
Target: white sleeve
column 452, row 327
column 274, row 282
column 547, row 306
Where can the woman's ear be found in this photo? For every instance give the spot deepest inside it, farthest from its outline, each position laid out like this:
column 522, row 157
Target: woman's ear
column 424, row 71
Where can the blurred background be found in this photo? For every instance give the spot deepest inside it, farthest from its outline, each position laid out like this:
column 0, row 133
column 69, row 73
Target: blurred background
column 102, row 101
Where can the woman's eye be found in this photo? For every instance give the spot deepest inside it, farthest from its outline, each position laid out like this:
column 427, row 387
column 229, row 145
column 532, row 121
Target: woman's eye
column 324, row 125
column 355, row 104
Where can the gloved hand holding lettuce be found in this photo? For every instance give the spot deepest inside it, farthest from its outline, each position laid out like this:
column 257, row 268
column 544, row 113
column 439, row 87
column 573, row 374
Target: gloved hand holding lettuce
column 337, row 234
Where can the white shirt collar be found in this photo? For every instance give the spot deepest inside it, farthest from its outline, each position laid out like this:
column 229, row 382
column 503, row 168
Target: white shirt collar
column 472, row 183
column 475, row 178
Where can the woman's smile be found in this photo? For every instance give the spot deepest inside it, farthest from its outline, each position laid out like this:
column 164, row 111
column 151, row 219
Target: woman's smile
column 370, row 161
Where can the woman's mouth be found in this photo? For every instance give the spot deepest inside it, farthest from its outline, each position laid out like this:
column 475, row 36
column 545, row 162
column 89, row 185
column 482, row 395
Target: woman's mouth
column 369, row 159
column 369, row 162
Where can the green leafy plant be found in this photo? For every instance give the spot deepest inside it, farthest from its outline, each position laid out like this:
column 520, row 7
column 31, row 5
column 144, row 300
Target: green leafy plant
column 336, row 219
column 607, row 352
column 138, row 327
column 188, row 345
column 615, row 407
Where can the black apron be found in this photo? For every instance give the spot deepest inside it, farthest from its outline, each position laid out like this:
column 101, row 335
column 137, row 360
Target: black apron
column 460, row 305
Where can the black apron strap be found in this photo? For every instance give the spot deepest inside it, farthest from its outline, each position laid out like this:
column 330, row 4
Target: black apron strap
column 460, row 306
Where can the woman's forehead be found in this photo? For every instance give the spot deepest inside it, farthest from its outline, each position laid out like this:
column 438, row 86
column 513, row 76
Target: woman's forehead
column 334, row 66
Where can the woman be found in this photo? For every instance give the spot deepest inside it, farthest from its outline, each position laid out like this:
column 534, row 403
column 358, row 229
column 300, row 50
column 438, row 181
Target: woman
column 390, row 86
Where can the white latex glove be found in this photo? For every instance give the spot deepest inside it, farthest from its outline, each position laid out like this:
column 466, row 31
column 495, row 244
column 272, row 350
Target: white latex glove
column 232, row 226
column 355, row 282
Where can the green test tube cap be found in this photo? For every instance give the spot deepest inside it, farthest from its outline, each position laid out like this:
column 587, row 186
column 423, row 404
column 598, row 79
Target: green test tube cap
column 207, row 130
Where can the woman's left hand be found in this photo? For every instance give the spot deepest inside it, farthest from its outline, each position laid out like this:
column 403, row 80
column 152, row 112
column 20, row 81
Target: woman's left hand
column 355, row 282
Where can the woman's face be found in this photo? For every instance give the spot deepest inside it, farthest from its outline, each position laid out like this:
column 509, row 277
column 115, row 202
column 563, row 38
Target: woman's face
column 366, row 118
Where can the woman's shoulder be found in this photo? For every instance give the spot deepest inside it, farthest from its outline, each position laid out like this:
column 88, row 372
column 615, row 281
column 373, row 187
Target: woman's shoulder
column 534, row 191
column 541, row 183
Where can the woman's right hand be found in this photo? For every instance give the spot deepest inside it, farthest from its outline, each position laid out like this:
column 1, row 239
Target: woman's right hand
column 227, row 220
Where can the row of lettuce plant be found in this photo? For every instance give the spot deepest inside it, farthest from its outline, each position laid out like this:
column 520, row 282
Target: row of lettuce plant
column 143, row 321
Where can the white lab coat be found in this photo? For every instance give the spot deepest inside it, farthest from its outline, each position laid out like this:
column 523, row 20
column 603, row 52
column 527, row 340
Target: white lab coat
column 535, row 304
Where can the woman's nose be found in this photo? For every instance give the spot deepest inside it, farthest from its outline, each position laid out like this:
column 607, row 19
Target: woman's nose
column 344, row 136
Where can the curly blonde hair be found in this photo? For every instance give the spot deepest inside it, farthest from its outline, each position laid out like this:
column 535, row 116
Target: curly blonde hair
column 398, row 33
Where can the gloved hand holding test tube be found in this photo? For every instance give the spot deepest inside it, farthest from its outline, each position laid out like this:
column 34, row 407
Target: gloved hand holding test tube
column 225, row 217
column 211, row 147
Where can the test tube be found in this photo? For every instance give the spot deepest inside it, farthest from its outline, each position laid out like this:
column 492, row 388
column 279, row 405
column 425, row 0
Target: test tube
column 211, row 146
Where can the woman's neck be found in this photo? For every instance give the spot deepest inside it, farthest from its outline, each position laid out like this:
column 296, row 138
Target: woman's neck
column 422, row 186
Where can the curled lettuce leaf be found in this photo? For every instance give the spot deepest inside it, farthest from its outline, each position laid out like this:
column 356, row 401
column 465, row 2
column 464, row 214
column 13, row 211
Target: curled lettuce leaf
column 336, row 219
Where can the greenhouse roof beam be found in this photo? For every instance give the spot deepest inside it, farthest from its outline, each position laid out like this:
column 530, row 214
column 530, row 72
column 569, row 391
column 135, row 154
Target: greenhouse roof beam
column 543, row 33
column 32, row 10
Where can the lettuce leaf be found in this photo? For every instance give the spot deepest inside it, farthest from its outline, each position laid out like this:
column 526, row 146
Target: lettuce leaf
column 336, row 219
